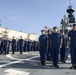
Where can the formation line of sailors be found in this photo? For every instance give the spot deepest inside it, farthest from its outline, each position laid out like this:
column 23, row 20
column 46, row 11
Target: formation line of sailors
column 56, row 47
column 19, row 45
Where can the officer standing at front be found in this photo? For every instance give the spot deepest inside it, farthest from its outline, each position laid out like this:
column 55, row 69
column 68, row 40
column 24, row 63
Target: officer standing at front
column 13, row 45
column 56, row 43
column 72, row 43
column 21, row 45
column 43, row 45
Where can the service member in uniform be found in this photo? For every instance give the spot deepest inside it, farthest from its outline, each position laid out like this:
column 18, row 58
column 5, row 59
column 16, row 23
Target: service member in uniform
column 8, row 45
column 43, row 45
column 13, row 45
column 29, row 45
column 31, row 41
column 72, row 43
column 37, row 47
column 5, row 45
column 25, row 45
column 48, row 52
column 56, row 43
column 34, row 45
column 1, row 46
column 64, row 47
column 21, row 44
column 17, row 45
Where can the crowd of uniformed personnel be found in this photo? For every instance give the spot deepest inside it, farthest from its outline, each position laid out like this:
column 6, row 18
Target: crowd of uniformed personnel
column 19, row 45
column 56, row 45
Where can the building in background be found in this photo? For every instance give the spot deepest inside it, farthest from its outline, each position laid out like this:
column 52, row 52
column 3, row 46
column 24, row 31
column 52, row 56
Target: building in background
column 8, row 33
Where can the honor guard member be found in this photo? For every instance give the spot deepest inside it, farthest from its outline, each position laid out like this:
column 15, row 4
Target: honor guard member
column 64, row 47
column 43, row 45
column 21, row 45
column 13, row 45
column 56, row 42
column 72, row 43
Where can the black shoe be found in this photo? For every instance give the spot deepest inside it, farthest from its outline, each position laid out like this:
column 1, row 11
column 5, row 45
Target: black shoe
column 4, row 53
column 43, row 64
column 12, row 53
column 48, row 59
column 63, row 61
column 0, row 53
column 75, row 67
column 52, row 66
column 72, row 67
column 20, row 52
column 7, row 53
column 57, row 66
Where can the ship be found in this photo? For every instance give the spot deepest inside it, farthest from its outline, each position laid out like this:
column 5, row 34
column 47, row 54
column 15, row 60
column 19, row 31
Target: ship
column 66, row 22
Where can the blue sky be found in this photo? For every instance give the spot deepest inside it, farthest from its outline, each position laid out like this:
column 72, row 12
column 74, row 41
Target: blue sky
column 32, row 15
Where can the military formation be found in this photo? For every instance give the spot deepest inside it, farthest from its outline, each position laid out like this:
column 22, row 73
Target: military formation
column 17, row 45
column 57, row 45
column 54, row 46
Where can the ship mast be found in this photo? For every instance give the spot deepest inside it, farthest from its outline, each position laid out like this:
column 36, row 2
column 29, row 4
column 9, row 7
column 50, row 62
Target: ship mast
column 69, row 20
column 69, row 2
